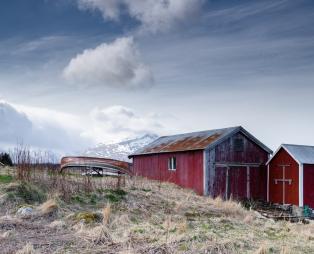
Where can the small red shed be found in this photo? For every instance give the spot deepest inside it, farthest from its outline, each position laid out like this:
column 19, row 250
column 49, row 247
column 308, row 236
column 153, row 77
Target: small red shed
column 227, row 162
column 291, row 175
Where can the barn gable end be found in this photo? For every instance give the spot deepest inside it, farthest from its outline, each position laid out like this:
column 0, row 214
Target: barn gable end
column 283, row 183
column 237, row 168
column 293, row 166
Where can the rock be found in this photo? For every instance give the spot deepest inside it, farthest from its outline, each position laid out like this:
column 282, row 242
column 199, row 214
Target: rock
column 297, row 211
column 25, row 211
column 306, row 221
column 259, row 215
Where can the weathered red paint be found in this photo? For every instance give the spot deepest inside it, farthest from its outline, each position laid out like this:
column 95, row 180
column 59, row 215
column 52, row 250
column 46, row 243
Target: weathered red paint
column 188, row 173
column 238, row 178
column 276, row 191
column 308, row 178
column 241, row 181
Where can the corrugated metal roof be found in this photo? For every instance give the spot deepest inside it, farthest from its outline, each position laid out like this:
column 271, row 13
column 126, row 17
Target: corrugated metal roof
column 192, row 141
column 303, row 154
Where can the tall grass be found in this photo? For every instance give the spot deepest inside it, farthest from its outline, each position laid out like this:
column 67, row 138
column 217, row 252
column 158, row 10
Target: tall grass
column 42, row 169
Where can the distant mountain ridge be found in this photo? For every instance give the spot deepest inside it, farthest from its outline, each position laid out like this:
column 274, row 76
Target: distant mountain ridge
column 121, row 150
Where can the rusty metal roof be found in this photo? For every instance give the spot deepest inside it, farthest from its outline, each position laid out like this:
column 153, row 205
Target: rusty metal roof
column 193, row 141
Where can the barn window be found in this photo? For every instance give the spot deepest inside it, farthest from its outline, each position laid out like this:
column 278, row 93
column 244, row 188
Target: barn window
column 238, row 144
column 172, row 163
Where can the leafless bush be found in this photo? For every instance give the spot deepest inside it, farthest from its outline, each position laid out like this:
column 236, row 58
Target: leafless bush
column 27, row 162
column 22, row 161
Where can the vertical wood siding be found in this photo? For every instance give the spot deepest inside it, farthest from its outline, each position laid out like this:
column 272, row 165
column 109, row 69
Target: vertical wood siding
column 190, row 169
column 237, row 187
column 291, row 172
column 308, row 187
column 188, row 173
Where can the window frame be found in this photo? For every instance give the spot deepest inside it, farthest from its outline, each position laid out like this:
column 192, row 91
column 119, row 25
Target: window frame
column 238, row 144
column 172, row 163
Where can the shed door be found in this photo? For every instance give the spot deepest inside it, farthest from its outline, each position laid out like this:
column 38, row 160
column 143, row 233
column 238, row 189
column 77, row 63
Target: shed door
column 237, row 183
column 220, row 182
column 281, row 184
column 276, row 190
column 231, row 182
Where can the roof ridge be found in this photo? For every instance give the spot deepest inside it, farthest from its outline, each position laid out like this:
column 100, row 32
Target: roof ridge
column 201, row 140
column 297, row 145
column 194, row 132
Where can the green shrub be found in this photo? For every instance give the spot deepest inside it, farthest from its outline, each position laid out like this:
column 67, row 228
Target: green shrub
column 88, row 217
column 25, row 192
column 93, row 199
column 5, row 178
column 78, row 199
column 115, row 196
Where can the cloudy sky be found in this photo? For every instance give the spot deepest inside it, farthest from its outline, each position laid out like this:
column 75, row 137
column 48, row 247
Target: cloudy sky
column 74, row 73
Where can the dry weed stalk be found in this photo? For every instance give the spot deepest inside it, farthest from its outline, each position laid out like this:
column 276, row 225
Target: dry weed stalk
column 262, row 250
column 284, row 250
column 27, row 249
column 106, row 214
column 182, row 227
column 22, row 160
column 167, row 225
column 49, row 207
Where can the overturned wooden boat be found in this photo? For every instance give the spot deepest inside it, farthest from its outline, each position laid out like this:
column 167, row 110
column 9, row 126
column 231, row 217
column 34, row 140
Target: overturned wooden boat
column 95, row 166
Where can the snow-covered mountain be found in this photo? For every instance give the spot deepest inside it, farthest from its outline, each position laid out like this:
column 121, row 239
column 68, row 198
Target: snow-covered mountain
column 121, row 150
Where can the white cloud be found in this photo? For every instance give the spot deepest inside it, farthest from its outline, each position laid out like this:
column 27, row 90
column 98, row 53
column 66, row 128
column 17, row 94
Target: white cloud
column 65, row 133
column 109, row 8
column 115, row 64
column 162, row 15
column 42, row 43
column 37, row 131
column 154, row 15
column 117, row 122
column 13, row 124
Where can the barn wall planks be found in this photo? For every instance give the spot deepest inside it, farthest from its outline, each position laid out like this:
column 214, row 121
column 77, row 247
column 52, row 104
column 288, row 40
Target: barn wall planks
column 240, row 185
column 308, row 190
column 188, row 173
column 226, row 167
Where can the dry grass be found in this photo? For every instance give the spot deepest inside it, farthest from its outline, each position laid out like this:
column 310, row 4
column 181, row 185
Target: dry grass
column 144, row 217
column 27, row 249
column 262, row 250
column 49, row 207
column 106, row 214
column 285, row 250
column 59, row 224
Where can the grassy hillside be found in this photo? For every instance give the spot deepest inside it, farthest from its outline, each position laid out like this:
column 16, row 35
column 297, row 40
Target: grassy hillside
column 74, row 214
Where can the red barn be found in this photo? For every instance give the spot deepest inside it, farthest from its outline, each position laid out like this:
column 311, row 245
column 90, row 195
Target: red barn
column 226, row 162
column 291, row 176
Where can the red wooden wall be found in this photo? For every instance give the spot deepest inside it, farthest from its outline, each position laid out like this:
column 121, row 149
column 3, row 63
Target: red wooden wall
column 252, row 153
column 291, row 172
column 188, row 174
column 308, row 187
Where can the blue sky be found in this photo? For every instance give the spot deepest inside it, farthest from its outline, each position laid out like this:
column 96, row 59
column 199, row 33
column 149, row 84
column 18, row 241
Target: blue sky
column 74, row 73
